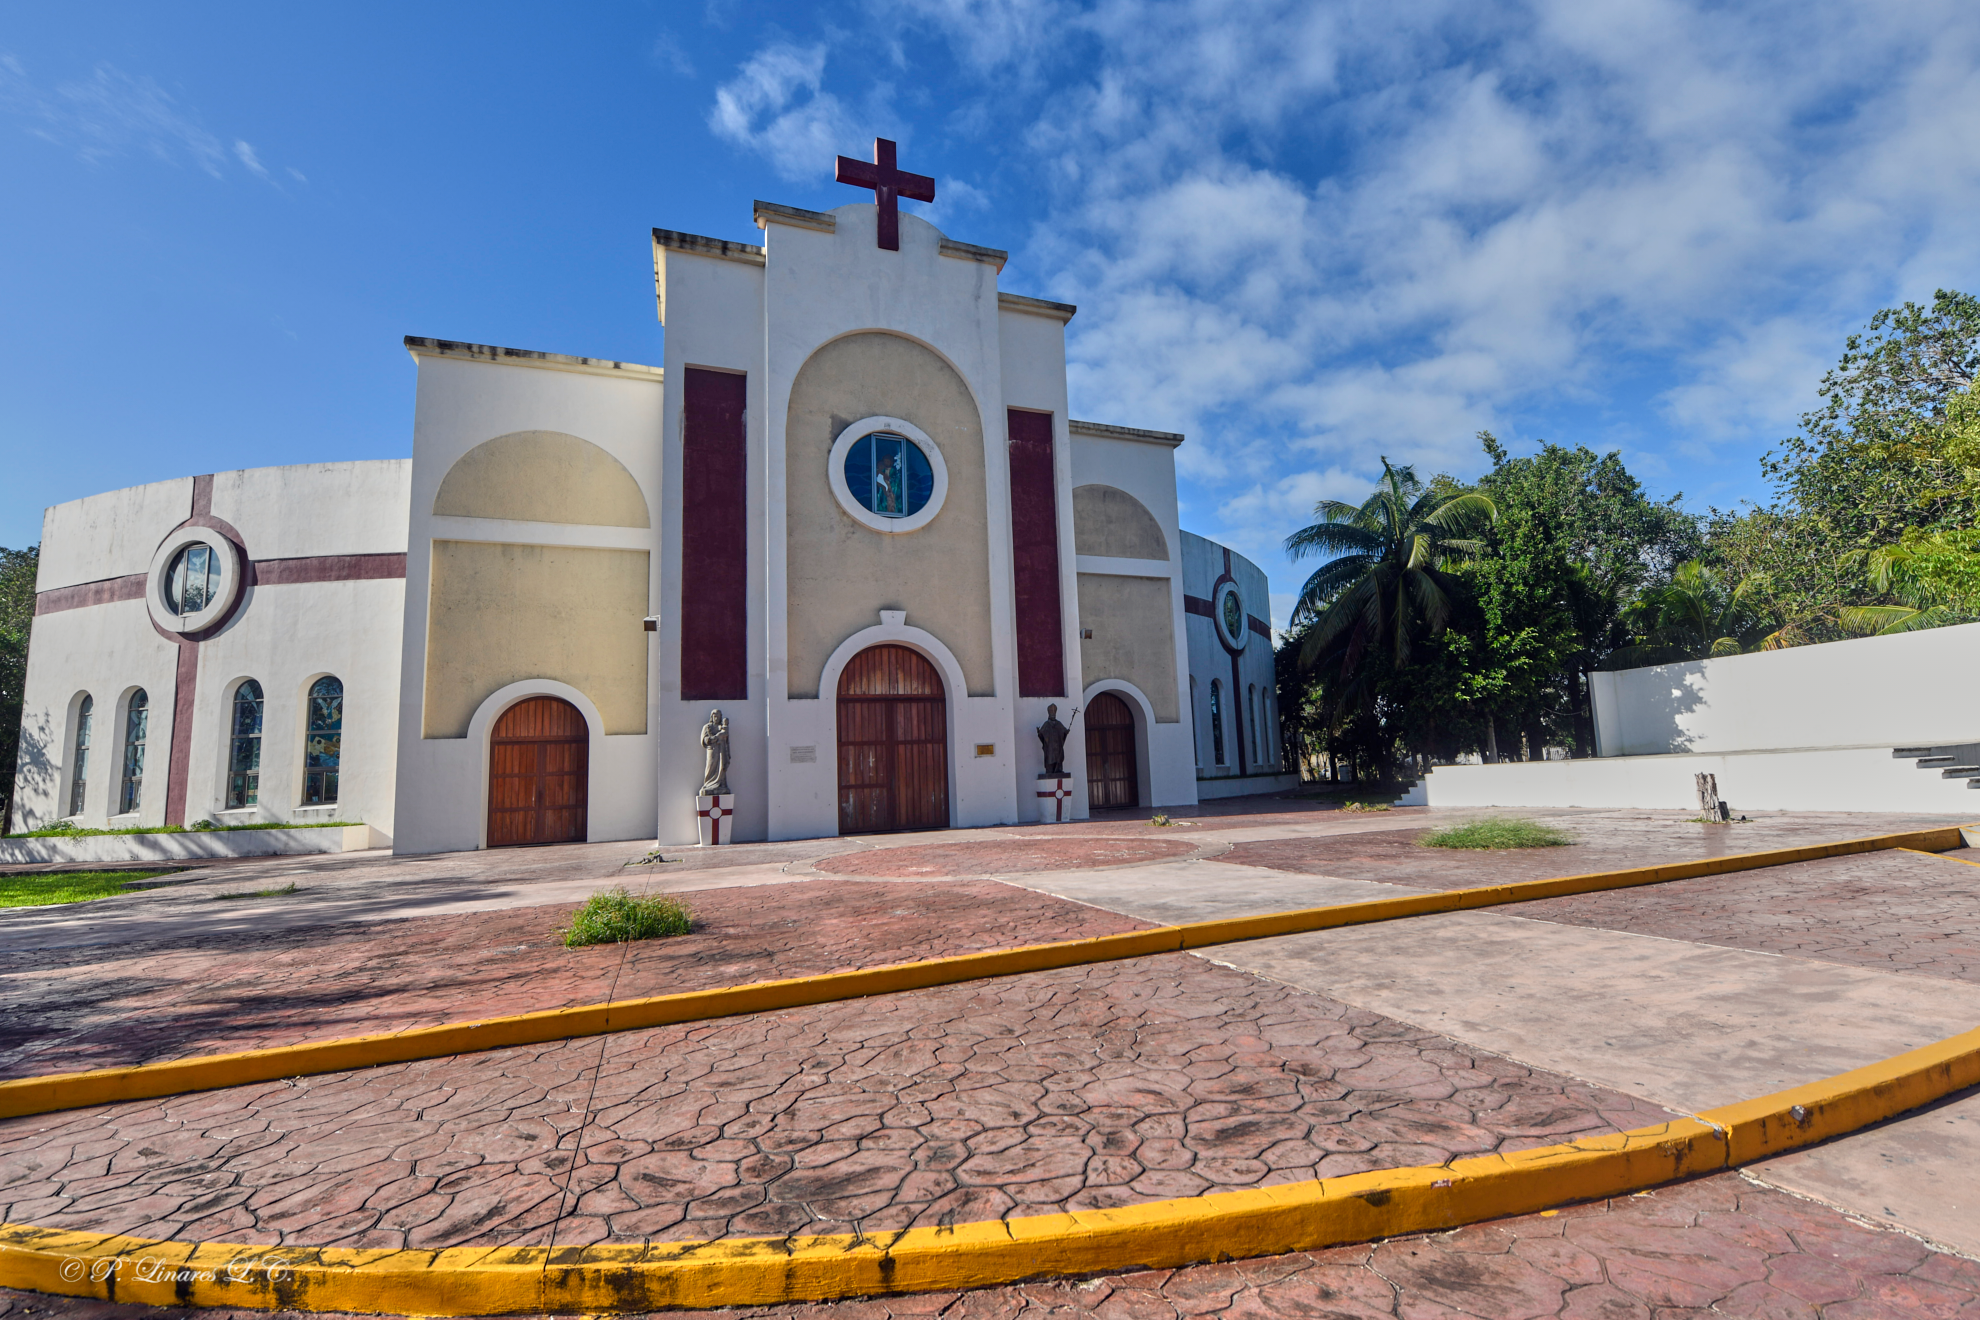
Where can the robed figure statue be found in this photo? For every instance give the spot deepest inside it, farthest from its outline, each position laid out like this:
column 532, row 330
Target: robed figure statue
column 715, row 738
column 1052, row 737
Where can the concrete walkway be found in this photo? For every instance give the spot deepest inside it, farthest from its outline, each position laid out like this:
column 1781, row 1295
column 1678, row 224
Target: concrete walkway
column 1246, row 1065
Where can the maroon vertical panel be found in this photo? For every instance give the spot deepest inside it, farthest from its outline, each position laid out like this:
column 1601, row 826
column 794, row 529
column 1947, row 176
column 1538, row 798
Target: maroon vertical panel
column 1035, row 556
column 714, row 600
column 178, row 767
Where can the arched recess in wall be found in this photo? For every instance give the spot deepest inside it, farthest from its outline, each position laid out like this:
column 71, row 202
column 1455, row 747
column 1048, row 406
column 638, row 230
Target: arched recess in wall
column 840, row 571
column 542, row 476
column 1109, row 521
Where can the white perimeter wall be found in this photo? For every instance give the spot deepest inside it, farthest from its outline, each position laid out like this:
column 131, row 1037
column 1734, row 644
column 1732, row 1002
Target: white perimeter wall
column 1822, row 779
column 1912, row 688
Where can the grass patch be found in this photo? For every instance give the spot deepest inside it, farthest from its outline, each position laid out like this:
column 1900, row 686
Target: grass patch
column 65, row 830
column 54, row 887
column 613, row 916
column 1364, row 806
column 1498, row 832
column 274, row 891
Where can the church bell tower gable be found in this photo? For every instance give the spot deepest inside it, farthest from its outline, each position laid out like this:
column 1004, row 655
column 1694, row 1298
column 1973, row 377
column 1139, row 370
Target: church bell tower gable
column 901, row 345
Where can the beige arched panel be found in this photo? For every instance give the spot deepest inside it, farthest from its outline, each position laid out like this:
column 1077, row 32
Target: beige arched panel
column 542, row 476
column 1109, row 521
column 840, row 573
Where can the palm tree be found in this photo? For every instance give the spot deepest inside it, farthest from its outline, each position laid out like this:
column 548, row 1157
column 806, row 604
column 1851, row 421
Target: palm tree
column 1387, row 579
column 1696, row 616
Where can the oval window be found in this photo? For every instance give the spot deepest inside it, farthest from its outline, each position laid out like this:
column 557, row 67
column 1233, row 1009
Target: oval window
column 889, row 475
column 193, row 581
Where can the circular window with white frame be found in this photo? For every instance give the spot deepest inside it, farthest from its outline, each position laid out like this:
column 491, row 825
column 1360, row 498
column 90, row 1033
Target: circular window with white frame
column 888, row 475
column 1227, row 612
column 195, row 579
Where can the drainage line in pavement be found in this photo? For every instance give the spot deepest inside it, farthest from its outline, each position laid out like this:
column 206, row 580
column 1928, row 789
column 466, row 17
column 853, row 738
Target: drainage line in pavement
column 604, row 1038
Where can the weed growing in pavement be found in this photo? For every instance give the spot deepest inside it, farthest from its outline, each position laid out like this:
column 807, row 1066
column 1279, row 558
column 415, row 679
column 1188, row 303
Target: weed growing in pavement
column 53, row 887
column 273, row 892
column 1364, row 806
column 1714, row 820
column 1160, row 818
column 614, row 916
column 1498, row 832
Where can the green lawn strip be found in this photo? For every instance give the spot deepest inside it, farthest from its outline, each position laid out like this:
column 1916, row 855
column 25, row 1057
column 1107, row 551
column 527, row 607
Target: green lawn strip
column 52, row 887
column 615, row 915
column 1498, row 832
column 79, row 832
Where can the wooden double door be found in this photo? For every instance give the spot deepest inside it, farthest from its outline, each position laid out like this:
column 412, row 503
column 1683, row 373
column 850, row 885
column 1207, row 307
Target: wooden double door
column 1110, row 769
column 539, row 762
column 893, row 744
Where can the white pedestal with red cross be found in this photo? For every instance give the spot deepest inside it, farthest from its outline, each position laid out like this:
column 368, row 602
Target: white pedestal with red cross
column 713, row 817
column 1054, row 798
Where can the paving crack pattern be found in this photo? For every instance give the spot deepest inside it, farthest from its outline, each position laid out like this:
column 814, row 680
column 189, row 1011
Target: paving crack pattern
column 1087, row 1087
column 98, row 1007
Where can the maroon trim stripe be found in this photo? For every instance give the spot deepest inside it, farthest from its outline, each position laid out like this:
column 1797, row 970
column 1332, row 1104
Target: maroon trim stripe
column 105, row 592
column 1259, row 626
column 1197, row 605
column 327, row 568
column 261, row 572
column 187, row 681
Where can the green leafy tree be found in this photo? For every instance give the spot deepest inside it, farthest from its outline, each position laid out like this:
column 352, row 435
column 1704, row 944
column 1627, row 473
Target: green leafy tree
column 1697, row 615
column 1889, row 457
column 17, row 572
column 1388, row 586
column 1575, row 541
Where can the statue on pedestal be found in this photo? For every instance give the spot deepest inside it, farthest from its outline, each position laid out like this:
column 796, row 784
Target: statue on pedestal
column 1052, row 737
column 715, row 738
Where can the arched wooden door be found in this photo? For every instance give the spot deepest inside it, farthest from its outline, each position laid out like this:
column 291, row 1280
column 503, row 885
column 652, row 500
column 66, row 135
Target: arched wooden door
column 1110, row 772
column 539, row 762
column 893, row 744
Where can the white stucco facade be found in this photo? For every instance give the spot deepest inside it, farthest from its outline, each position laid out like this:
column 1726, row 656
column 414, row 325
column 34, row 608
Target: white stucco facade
column 94, row 635
column 1234, row 693
column 536, row 552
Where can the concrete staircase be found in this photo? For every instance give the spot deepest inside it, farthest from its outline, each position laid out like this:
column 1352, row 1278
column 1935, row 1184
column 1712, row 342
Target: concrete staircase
column 1954, row 761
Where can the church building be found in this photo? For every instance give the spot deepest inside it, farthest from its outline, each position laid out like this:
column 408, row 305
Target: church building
column 849, row 510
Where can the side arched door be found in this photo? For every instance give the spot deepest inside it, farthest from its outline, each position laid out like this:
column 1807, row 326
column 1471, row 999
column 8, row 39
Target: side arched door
column 893, row 744
column 539, row 762
column 1110, row 769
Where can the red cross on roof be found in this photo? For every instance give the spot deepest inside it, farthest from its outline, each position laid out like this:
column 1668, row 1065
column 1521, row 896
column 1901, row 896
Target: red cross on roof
column 888, row 185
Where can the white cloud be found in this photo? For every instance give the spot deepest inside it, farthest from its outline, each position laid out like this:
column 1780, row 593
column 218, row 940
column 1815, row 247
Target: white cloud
column 1311, row 235
column 776, row 107
column 249, row 159
column 112, row 114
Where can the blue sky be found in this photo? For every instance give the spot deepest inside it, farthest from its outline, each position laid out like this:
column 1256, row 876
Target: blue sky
column 1307, row 235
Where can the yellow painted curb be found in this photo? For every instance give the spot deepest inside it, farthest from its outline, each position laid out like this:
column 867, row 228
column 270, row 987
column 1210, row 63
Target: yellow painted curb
column 759, row 1271
column 76, row 1090
column 1963, row 861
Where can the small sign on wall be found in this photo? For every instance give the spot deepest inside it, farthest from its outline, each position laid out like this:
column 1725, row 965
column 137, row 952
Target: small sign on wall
column 804, row 755
column 986, row 749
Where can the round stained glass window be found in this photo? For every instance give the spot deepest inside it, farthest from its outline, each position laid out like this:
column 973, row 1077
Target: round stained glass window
column 889, row 475
column 193, row 581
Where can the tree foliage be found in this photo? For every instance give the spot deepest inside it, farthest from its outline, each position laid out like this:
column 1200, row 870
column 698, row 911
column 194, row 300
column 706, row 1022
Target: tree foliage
column 17, row 573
